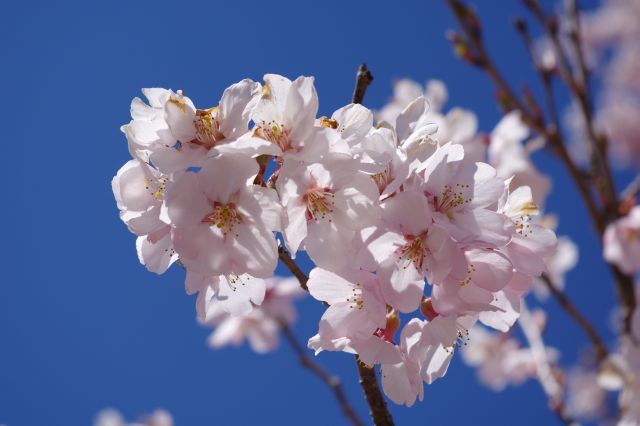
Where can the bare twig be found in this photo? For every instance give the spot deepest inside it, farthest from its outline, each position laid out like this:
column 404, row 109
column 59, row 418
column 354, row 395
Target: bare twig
column 548, row 380
column 632, row 190
column 580, row 319
column 330, row 380
column 363, row 80
column 543, row 73
column 378, row 407
column 379, row 411
column 285, row 258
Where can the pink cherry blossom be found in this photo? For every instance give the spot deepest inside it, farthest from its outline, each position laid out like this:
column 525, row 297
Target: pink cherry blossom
column 262, row 324
column 139, row 190
column 622, row 242
column 223, row 224
column 326, row 204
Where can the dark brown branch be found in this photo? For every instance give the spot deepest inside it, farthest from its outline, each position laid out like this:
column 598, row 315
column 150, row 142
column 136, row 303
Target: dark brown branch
column 285, row 258
column 580, row 319
column 363, row 80
column 330, row 380
column 369, row 382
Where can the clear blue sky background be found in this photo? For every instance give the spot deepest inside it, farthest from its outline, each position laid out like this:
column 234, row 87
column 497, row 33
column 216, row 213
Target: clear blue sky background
column 83, row 326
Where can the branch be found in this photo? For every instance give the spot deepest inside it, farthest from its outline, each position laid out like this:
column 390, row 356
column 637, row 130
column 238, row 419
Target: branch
column 330, row 380
column 482, row 59
column 581, row 320
column 633, row 189
column 379, row 411
column 285, row 258
column 378, row 407
column 363, row 80
column 550, row 384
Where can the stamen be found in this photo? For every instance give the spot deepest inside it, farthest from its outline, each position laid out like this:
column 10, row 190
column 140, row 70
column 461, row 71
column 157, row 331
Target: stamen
column 414, row 252
column 223, row 217
column 275, row 133
column 328, row 122
column 156, row 187
column 207, row 125
column 451, row 198
column 319, row 203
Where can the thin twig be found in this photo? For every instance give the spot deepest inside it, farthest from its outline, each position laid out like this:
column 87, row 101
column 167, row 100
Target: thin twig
column 378, row 407
column 550, row 384
column 330, row 380
column 580, row 319
column 285, row 258
column 379, row 411
column 543, row 73
column 632, row 190
column 363, row 80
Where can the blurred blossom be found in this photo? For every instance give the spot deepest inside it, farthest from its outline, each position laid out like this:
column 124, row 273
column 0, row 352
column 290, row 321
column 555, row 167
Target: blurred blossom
column 499, row 359
column 586, row 398
column 622, row 242
column 564, row 259
column 613, row 33
column 111, row 417
column 262, row 324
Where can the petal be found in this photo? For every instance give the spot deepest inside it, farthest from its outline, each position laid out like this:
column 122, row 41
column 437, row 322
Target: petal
column 225, row 175
column 329, row 287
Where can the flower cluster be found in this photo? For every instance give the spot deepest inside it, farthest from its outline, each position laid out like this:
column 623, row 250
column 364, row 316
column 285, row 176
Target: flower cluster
column 403, row 220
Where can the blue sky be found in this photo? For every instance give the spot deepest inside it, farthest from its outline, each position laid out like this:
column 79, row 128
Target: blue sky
column 83, row 326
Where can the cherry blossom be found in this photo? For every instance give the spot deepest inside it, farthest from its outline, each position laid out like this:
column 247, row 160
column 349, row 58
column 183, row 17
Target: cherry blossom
column 499, row 359
column 222, row 222
column 326, row 204
column 622, row 242
column 139, row 190
column 262, row 324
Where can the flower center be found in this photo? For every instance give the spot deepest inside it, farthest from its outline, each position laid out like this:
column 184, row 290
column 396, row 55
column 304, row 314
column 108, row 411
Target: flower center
column 207, row 123
column 224, row 217
column 275, row 133
column 319, row 203
column 451, row 198
column 383, row 178
column 156, row 187
column 414, row 252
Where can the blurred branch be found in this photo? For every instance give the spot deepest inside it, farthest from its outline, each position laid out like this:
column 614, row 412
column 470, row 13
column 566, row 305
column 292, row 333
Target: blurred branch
column 550, row 384
column 580, row 319
column 470, row 47
column 333, row 382
column 632, row 190
column 363, row 80
column 543, row 73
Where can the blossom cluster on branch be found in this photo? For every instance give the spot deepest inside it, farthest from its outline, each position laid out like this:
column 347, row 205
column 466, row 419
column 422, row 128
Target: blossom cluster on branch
column 414, row 237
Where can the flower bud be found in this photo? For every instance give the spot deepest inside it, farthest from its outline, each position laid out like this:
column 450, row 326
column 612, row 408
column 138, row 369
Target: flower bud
column 426, row 307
